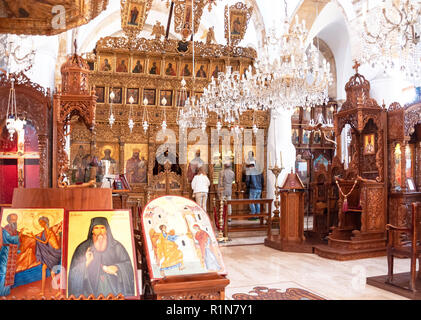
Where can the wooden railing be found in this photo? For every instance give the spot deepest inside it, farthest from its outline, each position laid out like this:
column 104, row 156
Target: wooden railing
column 264, row 217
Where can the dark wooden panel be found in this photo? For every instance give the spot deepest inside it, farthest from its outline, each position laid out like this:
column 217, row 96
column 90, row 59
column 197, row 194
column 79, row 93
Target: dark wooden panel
column 70, row 199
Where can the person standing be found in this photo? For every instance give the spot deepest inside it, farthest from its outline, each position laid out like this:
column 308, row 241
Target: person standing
column 200, row 185
column 226, row 178
column 254, row 182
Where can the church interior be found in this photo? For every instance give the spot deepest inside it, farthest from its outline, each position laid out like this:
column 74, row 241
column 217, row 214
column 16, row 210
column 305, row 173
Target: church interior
column 210, row 150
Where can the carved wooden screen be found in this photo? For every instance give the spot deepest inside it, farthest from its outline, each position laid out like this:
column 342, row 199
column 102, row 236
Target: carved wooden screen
column 28, row 159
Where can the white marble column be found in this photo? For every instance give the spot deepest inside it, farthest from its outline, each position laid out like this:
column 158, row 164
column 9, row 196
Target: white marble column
column 279, row 142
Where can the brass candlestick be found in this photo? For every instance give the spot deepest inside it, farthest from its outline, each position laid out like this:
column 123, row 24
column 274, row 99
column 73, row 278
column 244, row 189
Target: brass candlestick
column 276, row 213
column 221, row 237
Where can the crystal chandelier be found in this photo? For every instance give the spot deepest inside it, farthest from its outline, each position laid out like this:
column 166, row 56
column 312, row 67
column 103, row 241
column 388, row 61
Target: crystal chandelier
column 391, row 37
column 297, row 76
column 193, row 114
column 16, row 53
column 13, row 122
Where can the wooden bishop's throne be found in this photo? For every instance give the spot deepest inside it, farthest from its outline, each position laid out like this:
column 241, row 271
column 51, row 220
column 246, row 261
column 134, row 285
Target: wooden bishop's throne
column 362, row 209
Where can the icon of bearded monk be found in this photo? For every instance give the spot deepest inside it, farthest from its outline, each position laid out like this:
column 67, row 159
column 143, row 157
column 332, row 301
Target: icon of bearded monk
column 100, row 264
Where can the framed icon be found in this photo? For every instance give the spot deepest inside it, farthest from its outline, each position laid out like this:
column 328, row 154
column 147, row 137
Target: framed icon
column 100, row 93
column 132, row 92
column 138, row 65
column 168, row 96
column 150, row 94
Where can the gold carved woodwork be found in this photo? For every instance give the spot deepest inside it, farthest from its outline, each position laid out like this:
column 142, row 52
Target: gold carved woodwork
column 33, row 103
column 236, row 19
column 48, row 17
column 183, row 16
column 162, row 51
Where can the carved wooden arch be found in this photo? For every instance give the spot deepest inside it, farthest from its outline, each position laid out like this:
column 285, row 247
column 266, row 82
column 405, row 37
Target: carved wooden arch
column 33, row 102
column 412, row 117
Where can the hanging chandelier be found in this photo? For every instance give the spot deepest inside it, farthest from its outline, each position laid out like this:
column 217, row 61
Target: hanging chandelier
column 17, row 53
column 391, row 37
column 131, row 122
column 193, row 113
column 13, row 122
column 297, row 76
column 145, row 117
column 111, row 118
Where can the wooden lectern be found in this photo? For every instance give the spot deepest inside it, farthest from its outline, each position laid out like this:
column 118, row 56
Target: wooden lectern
column 291, row 235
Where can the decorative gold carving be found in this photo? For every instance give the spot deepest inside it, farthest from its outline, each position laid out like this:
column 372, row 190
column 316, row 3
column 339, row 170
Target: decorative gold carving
column 210, row 36
column 43, row 17
column 236, row 18
column 169, row 47
column 158, row 31
column 183, row 16
column 133, row 15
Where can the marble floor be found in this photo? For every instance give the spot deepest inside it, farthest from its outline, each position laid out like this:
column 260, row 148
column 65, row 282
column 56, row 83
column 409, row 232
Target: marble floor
column 254, row 265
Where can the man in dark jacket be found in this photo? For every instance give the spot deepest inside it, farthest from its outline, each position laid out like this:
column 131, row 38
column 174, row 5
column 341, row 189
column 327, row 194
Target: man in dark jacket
column 254, row 182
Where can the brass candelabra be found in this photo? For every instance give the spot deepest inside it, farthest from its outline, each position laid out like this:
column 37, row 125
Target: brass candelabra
column 221, row 237
column 277, row 202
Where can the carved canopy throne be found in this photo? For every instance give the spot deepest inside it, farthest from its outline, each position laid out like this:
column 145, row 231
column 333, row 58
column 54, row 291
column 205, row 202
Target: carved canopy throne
column 362, row 211
column 74, row 98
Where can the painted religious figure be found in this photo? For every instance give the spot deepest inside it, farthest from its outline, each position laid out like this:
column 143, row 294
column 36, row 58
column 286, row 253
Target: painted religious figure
column 170, row 69
column 100, row 264
column 215, row 72
column 236, row 25
column 166, row 250
column 295, row 136
column 179, row 238
column 122, row 65
column 108, row 163
column 306, row 137
column 136, row 168
column 319, row 162
column 31, row 252
column 100, row 93
column 186, row 71
column 369, row 144
column 194, row 166
column 208, row 250
column 317, row 137
column 133, row 18
column 138, row 66
column 154, row 68
column 106, row 65
column 201, row 72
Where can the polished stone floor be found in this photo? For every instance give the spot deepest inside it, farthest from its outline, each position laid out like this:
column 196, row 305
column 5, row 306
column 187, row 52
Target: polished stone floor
column 254, row 265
